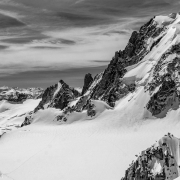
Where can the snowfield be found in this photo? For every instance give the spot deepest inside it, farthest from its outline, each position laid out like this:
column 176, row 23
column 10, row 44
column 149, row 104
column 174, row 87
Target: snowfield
column 87, row 149
column 14, row 114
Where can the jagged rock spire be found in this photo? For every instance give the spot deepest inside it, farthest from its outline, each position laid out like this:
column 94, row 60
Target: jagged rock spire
column 88, row 79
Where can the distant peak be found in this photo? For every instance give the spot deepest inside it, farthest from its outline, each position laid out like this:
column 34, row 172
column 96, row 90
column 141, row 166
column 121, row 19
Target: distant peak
column 62, row 82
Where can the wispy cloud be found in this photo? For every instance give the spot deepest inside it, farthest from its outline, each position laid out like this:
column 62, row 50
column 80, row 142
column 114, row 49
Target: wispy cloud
column 67, row 34
column 79, row 1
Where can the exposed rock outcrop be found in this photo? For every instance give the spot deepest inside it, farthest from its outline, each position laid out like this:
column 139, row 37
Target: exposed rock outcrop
column 159, row 162
column 166, row 82
column 46, row 97
column 88, row 79
column 91, row 109
column 57, row 96
column 28, row 119
column 164, row 99
column 113, row 72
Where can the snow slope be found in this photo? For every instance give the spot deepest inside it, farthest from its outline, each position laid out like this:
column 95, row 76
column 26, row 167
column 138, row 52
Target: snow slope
column 12, row 115
column 96, row 149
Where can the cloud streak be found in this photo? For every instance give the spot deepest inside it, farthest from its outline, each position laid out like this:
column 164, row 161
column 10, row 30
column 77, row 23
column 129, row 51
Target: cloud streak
column 46, row 36
column 45, row 78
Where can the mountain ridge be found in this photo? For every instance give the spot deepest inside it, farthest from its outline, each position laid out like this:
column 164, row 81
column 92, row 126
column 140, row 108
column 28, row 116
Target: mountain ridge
column 116, row 81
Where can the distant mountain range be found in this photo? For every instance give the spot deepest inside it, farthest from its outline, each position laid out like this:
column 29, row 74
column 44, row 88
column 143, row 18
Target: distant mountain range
column 18, row 95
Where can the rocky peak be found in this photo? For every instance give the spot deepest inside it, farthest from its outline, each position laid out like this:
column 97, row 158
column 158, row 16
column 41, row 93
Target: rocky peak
column 88, row 79
column 110, row 86
column 57, row 96
column 134, row 52
column 63, row 84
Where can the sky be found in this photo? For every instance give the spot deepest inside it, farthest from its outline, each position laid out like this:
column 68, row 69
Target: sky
column 43, row 41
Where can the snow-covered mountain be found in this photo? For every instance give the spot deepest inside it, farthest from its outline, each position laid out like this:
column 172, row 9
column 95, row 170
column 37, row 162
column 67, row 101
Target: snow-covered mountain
column 19, row 94
column 134, row 102
column 149, row 63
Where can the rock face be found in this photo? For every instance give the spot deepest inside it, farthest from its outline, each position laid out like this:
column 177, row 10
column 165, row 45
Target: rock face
column 111, row 87
column 136, row 48
column 57, row 96
column 88, row 79
column 18, row 95
column 46, row 97
column 165, row 78
column 164, row 99
column 159, row 162
column 64, row 96
column 91, row 109
column 28, row 119
column 111, row 75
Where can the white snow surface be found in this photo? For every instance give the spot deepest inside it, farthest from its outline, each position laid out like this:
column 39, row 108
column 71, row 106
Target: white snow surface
column 58, row 89
column 177, row 178
column 79, row 89
column 101, row 148
column 163, row 20
column 99, row 107
column 13, row 114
